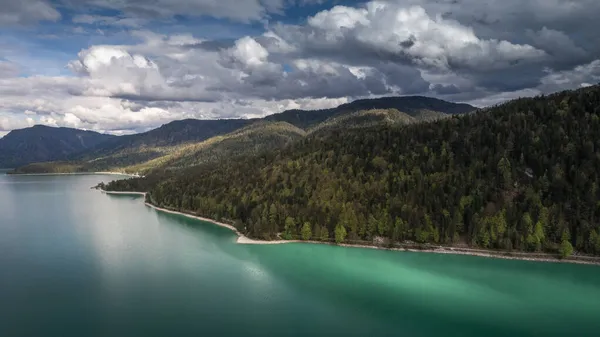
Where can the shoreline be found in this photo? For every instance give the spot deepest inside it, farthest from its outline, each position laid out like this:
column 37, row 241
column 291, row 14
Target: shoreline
column 242, row 239
column 76, row 174
column 505, row 255
column 123, row 193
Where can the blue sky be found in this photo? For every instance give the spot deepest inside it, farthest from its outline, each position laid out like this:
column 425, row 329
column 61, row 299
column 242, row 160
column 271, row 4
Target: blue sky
column 47, row 47
column 131, row 65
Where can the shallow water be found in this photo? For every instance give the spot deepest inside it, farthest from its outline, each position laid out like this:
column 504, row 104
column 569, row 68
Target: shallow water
column 76, row 262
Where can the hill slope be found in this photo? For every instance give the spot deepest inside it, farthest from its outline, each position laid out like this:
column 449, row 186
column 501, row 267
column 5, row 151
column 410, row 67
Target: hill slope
column 135, row 150
column 521, row 176
column 193, row 131
column 43, row 143
column 369, row 118
column 411, row 105
column 253, row 139
column 250, row 140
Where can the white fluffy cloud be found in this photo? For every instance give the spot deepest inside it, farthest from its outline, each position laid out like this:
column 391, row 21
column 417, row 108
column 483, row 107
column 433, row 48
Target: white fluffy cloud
column 11, row 122
column 390, row 30
column 461, row 50
column 582, row 75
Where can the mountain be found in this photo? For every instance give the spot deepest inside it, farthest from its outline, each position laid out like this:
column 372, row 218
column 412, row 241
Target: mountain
column 522, row 176
column 133, row 151
column 253, row 139
column 411, row 105
column 173, row 133
column 135, row 148
column 193, row 130
column 42, row 143
column 366, row 118
column 124, row 151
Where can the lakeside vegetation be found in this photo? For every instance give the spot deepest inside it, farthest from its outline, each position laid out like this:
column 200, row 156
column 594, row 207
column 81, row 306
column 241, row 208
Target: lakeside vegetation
column 521, row 176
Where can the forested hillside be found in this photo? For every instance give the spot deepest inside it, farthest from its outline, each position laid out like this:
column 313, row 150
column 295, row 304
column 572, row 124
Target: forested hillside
column 44, row 143
column 524, row 175
column 250, row 140
column 370, row 118
column 123, row 153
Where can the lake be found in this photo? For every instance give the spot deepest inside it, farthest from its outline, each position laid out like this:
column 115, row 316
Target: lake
column 76, row 262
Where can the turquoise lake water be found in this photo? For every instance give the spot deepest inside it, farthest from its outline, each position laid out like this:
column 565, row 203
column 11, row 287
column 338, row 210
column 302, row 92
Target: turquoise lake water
column 76, row 262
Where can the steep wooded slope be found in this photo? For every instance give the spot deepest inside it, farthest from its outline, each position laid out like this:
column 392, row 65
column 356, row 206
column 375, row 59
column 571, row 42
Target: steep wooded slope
column 524, row 175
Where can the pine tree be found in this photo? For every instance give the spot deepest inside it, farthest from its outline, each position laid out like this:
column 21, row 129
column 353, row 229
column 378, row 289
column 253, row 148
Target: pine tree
column 306, row 231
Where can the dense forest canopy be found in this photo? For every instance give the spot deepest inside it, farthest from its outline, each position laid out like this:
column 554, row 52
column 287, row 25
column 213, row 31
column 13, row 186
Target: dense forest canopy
column 520, row 176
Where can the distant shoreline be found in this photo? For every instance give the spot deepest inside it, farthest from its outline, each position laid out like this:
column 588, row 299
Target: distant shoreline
column 505, row 255
column 124, row 193
column 75, row 174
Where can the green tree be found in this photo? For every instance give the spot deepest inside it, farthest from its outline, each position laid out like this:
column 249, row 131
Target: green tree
column 539, row 235
column 324, row 234
column 595, row 241
column 316, row 233
column 504, row 169
column 273, row 214
column 422, row 235
column 306, row 231
column 289, row 227
column 566, row 249
column 340, row 233
column 371, row 226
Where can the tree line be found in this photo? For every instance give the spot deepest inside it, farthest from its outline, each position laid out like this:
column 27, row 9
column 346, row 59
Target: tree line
column 523, row 176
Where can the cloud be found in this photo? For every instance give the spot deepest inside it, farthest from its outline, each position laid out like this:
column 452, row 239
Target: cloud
column 140, row 72
column 12, row 122
column 559, row 45
column 392, row 32
column 389, row 31
column 582, row 75
column 243, row 11
column 112, row 71
column 26, row 12
column 108, row 20
column 9, row 69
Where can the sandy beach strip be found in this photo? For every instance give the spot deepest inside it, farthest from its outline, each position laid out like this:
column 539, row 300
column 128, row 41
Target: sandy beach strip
column 242, row 239
column 124, row 193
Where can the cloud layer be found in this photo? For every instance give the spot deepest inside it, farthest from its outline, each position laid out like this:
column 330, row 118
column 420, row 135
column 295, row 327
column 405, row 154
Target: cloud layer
column 139, row 74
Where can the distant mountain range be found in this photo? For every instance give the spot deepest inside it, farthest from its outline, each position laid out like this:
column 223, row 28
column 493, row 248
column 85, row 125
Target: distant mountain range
column 43, row 143
column 77, row 150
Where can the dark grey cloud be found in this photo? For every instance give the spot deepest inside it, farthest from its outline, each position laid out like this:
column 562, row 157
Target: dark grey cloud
column 8, row 69
column 26, row 12
column 244, row 11
column 213, row 45
column 442, row 89
column 495, row 46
